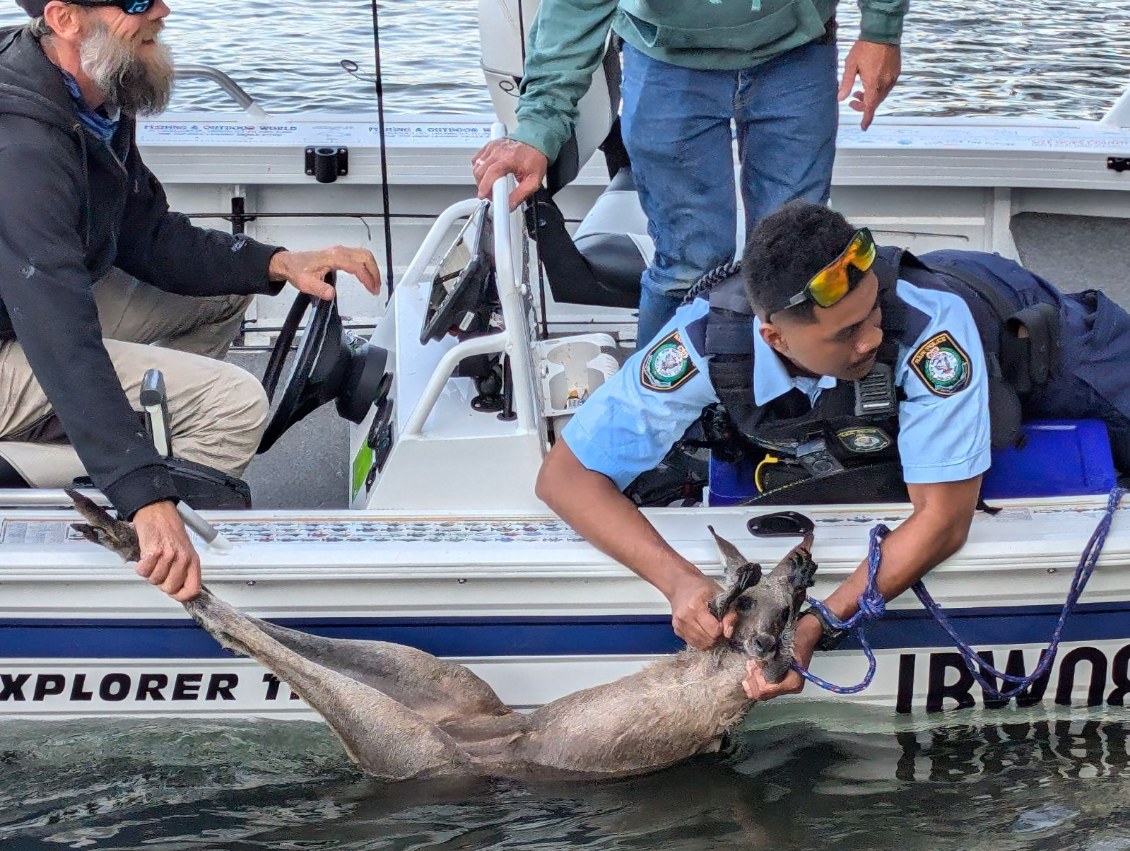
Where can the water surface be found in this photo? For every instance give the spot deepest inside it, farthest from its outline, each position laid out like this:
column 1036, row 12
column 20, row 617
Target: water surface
column 832, row 779
column 1049, row 58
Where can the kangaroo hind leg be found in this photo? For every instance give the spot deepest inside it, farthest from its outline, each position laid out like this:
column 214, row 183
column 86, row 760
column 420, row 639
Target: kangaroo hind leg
column 385, row 738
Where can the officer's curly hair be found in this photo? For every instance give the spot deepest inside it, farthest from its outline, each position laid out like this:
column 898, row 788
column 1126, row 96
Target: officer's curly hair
column 786, row 249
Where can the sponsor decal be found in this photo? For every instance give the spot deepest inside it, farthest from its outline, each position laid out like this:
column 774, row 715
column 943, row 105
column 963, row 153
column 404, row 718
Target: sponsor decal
column 137, row 687
column 864, row 439
column 667, row 365
column 942, row 365
column 1081, row 676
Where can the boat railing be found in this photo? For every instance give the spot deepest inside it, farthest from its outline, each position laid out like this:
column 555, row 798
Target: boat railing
column 513, row 340
column 229, row 86
column 45, row 497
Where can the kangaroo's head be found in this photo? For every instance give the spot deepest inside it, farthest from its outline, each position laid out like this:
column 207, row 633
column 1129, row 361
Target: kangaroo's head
column 767, row 607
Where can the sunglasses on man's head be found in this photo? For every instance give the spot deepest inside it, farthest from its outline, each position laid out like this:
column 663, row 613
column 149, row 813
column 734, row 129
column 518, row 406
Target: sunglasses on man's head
column 832, row 283
column 130, row 7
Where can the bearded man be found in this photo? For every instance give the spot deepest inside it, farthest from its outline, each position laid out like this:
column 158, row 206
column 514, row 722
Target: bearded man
column 78, row 201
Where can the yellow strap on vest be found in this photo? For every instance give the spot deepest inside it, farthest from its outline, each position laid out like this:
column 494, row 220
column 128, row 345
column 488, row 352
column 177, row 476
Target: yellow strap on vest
column 768, row 459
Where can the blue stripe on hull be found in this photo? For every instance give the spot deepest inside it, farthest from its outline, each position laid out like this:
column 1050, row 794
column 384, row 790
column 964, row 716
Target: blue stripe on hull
column 533, row 636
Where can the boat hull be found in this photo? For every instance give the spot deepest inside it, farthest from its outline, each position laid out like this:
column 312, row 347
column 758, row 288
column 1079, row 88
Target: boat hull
column 536, row 611
column 70, row 667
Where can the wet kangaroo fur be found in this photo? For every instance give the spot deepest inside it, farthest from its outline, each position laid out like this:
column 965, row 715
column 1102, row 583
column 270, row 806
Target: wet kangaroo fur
column 402, row 713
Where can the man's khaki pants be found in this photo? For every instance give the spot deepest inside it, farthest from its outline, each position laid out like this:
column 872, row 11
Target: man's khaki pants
column 217, row 411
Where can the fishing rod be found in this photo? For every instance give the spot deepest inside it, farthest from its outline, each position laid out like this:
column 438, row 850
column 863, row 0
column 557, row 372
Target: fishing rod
column 379, row 86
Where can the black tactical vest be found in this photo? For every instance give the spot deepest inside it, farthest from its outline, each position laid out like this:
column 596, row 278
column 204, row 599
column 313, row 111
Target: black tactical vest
column 843, row 448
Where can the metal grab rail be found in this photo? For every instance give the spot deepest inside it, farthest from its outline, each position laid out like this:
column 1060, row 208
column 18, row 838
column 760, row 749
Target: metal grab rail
column 46, row 497
column 509, row 340
column 230, row 87
column 58, row 498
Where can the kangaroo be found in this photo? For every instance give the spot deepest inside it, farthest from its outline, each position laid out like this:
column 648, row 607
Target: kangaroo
column 402, row 713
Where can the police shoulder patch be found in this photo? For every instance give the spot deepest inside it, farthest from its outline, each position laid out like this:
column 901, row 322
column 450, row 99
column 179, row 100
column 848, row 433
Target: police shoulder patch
column 942, row 365
column 667, row 365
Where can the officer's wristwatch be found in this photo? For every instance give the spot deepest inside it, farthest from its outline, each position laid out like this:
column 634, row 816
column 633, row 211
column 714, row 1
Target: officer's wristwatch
column 830, row 637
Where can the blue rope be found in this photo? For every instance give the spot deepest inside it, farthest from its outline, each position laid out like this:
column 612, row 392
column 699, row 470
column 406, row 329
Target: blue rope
column 872, row 607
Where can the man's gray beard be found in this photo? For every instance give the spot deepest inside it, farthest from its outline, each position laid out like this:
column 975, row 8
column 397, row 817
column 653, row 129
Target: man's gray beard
column 135, row 85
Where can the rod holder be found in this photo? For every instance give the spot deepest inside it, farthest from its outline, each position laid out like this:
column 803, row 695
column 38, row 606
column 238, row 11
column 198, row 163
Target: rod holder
column 326, row 164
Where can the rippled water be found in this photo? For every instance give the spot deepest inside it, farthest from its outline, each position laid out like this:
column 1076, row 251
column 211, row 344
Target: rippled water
column 1052, row 58
column 990, row 781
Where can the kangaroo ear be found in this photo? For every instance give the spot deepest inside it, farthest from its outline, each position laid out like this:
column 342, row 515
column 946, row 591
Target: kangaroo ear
column 732, row 560
column 745, row 578
column 803, row 574
column 802, row 569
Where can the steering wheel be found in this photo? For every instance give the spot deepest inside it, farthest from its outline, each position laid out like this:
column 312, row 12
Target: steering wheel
column 461, row 283
column 296, row 403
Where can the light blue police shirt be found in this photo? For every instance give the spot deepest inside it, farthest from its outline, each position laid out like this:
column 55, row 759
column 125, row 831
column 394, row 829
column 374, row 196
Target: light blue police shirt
column 630, row 423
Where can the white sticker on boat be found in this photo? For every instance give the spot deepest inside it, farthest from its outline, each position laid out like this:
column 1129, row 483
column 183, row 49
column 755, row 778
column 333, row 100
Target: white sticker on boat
column 37, row 532
column 411, row 134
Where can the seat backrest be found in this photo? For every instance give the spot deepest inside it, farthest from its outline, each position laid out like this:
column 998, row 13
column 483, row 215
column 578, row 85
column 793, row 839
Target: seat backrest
column 503, row 27
column 42, row 465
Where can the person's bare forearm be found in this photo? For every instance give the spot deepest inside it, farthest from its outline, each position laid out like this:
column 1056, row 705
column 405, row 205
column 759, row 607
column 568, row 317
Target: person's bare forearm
column 935, row 531
column 593, row 505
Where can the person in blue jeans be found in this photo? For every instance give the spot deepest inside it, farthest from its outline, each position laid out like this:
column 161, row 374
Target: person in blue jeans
column 689, row 70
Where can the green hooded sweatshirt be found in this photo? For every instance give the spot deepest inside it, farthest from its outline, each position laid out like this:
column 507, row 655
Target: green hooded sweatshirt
column 568, row 37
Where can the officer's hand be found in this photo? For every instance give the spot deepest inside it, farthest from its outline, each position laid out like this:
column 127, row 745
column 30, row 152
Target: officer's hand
column 306, row 270
column 804, row 643
column 690, row 613
column 506, row 156
column 167, row 557
column 878, row 67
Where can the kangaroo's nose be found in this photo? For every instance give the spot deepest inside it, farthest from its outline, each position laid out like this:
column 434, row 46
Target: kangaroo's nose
column 764, row 644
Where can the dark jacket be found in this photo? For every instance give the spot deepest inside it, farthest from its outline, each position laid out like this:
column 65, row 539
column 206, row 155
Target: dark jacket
column 70, row 209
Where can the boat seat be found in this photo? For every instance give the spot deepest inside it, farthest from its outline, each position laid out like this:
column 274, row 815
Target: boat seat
column 38, row 465
column 503, row 27
column 9, row 476
column 57, row 465
column 612, row 246
column 613, row 238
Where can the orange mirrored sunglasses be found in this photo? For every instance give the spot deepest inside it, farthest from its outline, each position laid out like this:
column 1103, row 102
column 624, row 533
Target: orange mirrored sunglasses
column 832, row 283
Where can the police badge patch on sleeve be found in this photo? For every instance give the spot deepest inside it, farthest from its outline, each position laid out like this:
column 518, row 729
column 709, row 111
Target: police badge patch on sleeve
column 942, row 365
column 667, row 365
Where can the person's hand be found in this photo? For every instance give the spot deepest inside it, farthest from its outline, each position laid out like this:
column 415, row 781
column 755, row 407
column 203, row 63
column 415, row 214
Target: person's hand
column 691, row 617
column 877, row 66
column 168, row 559
column 506, row 156
column 307, row 270
column 804, row 643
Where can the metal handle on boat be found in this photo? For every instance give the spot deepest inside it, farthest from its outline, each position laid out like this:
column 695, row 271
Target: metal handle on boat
column 233, row 89
column 508, row 340
column 57, row 498
column 203, row 528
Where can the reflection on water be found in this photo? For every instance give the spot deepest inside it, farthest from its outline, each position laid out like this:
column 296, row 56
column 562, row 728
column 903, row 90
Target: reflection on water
column 1049, row 58
column 803, row 781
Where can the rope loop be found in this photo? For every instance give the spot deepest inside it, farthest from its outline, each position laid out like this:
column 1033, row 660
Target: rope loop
column 872, row 607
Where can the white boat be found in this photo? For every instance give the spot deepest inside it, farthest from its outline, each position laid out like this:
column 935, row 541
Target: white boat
column 442, row 543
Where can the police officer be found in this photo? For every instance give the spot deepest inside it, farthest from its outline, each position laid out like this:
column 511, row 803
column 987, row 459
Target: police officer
column 818, row 313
